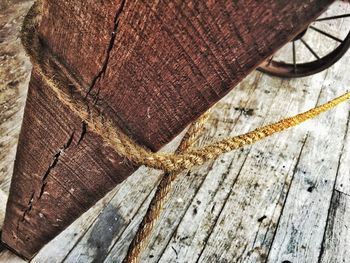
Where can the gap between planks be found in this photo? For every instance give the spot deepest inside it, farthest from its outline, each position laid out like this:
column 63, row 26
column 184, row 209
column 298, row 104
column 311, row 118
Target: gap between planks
column 263, row 230
column 3, row 201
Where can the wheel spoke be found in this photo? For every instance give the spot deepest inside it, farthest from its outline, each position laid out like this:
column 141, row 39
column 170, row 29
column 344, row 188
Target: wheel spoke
column 309, row 48
column 294, row 65
column 326, row 34
column 294, row 57
column 332, row 17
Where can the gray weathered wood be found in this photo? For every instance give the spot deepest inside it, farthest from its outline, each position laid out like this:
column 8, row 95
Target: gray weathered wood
column 3, row 200
column 14, row 77
column 298, row 237
column 169, row 61
column 336, row 247
column 343, row 180
column 282, row 193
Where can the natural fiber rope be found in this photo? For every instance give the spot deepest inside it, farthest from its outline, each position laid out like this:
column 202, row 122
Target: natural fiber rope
column 161, row 195
column 124, row 145
column 185, row 158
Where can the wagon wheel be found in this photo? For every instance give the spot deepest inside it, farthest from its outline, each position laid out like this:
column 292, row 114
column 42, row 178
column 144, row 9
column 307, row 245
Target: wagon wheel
column 301, row 69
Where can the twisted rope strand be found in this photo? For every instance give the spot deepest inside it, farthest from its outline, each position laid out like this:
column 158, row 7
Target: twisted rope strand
column 161, row 196
column 185, row 157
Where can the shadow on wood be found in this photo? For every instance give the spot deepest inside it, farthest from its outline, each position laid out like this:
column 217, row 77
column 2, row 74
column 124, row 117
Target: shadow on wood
column 153, row 68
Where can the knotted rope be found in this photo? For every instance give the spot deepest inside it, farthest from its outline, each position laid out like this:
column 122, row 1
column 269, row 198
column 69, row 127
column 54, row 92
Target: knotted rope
column 185, row 158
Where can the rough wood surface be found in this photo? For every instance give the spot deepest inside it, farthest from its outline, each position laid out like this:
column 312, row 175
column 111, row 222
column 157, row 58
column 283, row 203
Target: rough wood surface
column 169, row 60
column 153, row 68
column 283, row 199
column 14, row 73
column 336, row 244
column 3, row 200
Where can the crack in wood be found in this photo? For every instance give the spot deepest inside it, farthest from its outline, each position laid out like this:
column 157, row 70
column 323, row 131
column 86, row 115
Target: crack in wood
column 287, row 193
column 29, row 206
column 175, row 230
column 103, row 69
column 54, row 163
column 334, row 193
column 217, row 217
column 25, row 212
column 70, row 140
column 44, row 180
column 83, row 132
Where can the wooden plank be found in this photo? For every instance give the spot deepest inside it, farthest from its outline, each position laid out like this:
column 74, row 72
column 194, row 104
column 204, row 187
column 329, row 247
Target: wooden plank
column 343, row 179
column 5, row 255
column 213, row 46
column 57, row 249
column 174, row 211
column 14, row 72
column 111, row 223
column 187, row 187
column 318, row 175
column 172, row 73
column 8, row 257
column 305, row 211
column 336, row 244
column 236, row 223
column 3, row 201
column 89, row 236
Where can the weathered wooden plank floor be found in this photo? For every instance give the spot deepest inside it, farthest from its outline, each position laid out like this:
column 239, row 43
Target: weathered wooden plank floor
column 285, row 199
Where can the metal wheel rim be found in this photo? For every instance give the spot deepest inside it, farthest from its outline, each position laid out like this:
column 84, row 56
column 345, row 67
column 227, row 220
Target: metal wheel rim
column 295, row 70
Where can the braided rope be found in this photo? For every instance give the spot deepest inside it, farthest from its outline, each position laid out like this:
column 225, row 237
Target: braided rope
column 185, row 157
column 161, row 196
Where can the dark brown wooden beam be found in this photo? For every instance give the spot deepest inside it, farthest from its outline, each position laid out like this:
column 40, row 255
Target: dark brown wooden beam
column 153, row 67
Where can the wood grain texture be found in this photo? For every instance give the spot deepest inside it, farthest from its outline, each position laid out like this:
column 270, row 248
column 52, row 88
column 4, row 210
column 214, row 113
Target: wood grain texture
column 153, row 68
column 170, row 60
column 65, row 168
column 343, row 181
column 3, row 201
column 309, row 196
column 253, row 192
column 316, row 178
column 14, row 77
column 336, row 246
